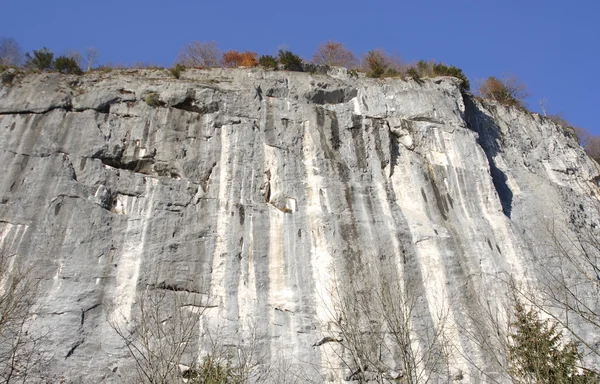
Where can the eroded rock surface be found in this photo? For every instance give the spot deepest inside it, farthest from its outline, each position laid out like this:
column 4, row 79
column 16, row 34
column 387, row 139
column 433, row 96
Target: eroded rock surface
column 272, row 193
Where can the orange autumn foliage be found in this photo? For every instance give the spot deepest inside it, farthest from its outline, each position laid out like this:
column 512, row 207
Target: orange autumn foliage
column 236, row 59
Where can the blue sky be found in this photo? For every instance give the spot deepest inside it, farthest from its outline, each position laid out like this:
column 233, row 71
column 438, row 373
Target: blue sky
column 551, row 45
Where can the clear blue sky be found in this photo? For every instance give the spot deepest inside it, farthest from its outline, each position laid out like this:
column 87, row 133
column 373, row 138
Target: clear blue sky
column 553, row 46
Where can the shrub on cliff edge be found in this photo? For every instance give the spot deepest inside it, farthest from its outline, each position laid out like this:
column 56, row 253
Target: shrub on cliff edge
column 510, row 91
column 289, row 60
column 239, row 59
column 267, row 61
column 68, row 65
column 177, row 70
column 440, row 69
column 377, row 63
column 41, row 60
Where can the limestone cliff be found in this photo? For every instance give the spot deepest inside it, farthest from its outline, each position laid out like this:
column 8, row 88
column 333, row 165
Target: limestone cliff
column 277, row 197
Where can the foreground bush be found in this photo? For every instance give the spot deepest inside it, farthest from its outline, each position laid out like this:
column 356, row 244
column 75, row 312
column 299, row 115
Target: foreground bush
column 537, row 353
column 212, row 371
column 511, row 91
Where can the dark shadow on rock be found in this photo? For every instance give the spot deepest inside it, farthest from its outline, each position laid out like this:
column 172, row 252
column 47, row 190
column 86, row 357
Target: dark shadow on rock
column 327, row 93
column 191, row 105
column 489, row 136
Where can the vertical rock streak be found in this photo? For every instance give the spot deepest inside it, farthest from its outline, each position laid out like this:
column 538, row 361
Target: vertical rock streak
column 132, row 254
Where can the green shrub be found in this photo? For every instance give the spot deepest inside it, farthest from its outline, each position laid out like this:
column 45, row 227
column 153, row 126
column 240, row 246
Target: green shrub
column 68, row 65
column 423, row 68
column 431, row 69
column 7, row 77
column 267, row 61
column 103, row 69
column 177, row 70
column 440, row 69
column 289, row 60
column 153, row 100
column 41, row 60
column 414, row 73
column 392, row 72
column 211, row 371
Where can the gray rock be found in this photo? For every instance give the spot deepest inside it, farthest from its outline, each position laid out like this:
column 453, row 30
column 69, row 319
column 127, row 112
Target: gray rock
column 266, row 190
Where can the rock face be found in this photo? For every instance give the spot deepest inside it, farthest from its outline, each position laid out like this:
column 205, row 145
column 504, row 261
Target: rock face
column 277, row 198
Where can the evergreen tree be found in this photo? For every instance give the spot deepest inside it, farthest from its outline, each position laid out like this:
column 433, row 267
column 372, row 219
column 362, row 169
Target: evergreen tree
column 65, row 64
column 42, row 59
column 537, row 353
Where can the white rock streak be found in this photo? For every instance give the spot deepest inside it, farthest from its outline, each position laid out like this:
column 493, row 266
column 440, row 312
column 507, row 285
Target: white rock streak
column 139, row 211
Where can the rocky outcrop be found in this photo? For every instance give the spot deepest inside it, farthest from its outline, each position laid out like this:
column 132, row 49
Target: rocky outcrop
column 272, row 194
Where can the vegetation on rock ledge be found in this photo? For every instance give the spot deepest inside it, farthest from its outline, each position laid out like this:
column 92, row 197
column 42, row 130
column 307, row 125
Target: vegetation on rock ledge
column 509, row 90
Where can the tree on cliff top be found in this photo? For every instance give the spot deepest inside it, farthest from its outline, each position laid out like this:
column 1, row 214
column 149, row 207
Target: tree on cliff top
column 10, row 52
column 42, row 59
column 200, row 54
column 510, row 91
column 333, row 53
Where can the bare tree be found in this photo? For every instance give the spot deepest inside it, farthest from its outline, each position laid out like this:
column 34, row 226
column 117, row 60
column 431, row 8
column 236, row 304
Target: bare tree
column 169, row 338
column 571, row 286
column 589, row 142
column 288, row 369
column 160, row 336
column 544, row 106
column 583, row 135
column 21, row 355
column 11, row 54
column 333, row 53
column 200, row 54
column 232, row 360
column 383, row 331
column 91, row 58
